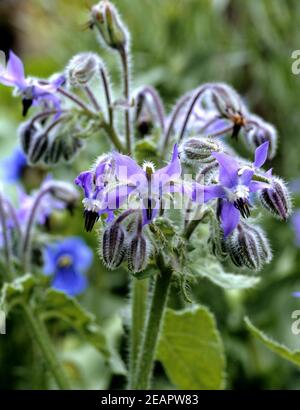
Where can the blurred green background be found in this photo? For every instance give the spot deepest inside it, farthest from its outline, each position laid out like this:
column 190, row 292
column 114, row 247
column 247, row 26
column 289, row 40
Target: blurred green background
column 176, row 45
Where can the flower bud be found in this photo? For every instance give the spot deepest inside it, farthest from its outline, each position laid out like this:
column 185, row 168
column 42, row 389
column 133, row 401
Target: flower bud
column 82, row 68
column 261, row 132
column 54, row 151
column 62, row 191
column 276, row 199
column 27, row 131
column 249, row 247
column 105, row 17
column 199, row 149
column 38, row 148
column 226, row 100
column 137, row 253
column 113, row 245
column 217, row 241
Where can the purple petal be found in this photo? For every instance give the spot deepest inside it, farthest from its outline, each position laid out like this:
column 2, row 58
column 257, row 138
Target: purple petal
column 15, row 69
column 261, row 154
column 128, row 170
column 296, row 294
column 255, row 186
column 228, row 173
column 213, row 191
column 171, row 171
column 230, row 217
column 246, row 177
column 85, row 181
column 117, row 197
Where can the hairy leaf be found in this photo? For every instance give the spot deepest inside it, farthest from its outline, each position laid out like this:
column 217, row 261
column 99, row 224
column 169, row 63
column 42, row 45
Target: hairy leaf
column 292, row 356
column 191, row 350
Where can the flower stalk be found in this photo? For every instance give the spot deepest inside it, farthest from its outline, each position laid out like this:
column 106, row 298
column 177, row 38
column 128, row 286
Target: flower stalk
column 153, row 325
column 40, row 335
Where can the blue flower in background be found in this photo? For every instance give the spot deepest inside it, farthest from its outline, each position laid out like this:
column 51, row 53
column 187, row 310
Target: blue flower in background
column 67, row 261
column 14, row 165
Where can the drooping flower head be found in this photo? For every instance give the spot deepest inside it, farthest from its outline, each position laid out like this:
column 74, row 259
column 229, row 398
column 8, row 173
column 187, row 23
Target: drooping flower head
column 235, row 186
column 31, row 91
column 68, row 261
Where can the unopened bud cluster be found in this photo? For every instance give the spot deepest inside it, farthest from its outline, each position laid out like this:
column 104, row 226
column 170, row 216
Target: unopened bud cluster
column 125, row 242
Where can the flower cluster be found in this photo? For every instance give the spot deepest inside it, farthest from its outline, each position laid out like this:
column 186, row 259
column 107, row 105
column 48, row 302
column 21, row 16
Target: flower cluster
column 205, row 176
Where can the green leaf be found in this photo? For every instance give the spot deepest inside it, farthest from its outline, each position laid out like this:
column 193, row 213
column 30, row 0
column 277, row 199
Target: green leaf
column 16, row 292
column 292, row 356
column 215, row 273
column 58, row 304
column 191, row 350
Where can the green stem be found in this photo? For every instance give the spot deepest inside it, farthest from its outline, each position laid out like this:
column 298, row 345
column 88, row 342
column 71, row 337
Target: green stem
column 139, row 292
column 41, row 336
column 153, row 325
column 113, row 137
column 124, row 59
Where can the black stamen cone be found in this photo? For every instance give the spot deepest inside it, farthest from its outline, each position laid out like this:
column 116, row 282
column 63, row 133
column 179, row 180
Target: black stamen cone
column 27, row 103
column 90, row 218
column 235, row 131
column 243, row 206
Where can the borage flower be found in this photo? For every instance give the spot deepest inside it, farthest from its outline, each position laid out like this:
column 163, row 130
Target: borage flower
column 144, row 188
column 235, row 186
column 68, row 261
column 30, row 90
column 13, row 167
column 93, row 184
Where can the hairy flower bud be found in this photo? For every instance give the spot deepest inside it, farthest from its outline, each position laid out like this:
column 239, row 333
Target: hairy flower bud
column 249, row 247
column 54, row 151
column 62, row 191
column 113, row 245
column 82, row 68
column 259, row 132
column 199, row 149
column 276, row 199
column 226, row 100
column 106, row 19
column 27, row 131
column 38, row 148
column 217, row 242
column 137, row 253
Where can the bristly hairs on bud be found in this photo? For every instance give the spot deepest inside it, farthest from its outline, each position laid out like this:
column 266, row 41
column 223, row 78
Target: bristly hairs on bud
column 138, row 249
column 199, row 150
column 82, row 68
column 249, row 247
column 38, row 147
column 113, row 245
column 26, row 132
column 258, row 131
column 110, row 27
column 277, row 198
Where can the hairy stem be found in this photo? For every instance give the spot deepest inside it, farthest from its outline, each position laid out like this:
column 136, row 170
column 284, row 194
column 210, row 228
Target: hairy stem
column 124, row 60
column 153, row 325
column 26, row 245
column 41, row 336
column 92, row 98
column 178, row 107
column 138, row 295
column 107, row 93
column 113, row 136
